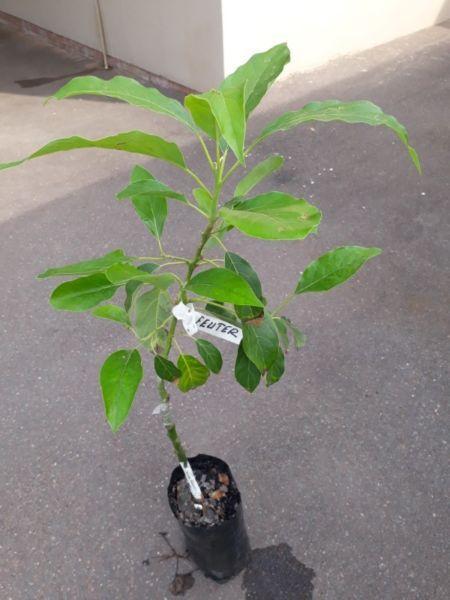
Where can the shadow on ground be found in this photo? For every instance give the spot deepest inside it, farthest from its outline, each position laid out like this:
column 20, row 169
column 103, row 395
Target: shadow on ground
column 275, row 574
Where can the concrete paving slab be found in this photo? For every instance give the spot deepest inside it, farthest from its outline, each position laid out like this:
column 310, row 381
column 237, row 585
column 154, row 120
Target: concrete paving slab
column 345, row 461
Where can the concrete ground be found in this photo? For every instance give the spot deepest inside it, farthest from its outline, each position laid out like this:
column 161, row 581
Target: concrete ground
column 344, row 461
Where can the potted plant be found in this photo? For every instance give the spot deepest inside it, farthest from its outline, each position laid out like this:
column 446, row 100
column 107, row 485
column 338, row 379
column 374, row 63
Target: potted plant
column 213, row 292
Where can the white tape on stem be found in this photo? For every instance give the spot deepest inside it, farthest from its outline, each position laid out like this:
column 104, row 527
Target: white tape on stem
column 194, row 321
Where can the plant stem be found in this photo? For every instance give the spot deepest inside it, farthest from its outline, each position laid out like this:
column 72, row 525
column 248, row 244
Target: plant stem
column 211, row 261
column 161, row 249
column 237, row 163
column 219, row 241
column 170, row 425
column 192, row 264
column 284, row 303
column 206, row 152
column 167, row 264
column 196, row 178
column 196, row 208
column 162, row 257
column 180, row 452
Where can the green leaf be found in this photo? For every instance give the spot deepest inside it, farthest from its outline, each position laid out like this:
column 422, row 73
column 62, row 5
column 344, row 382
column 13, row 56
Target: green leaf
column 359, row 111
column 129, row 90
column 223, row 313
column 122, row 273
column 193, row 373
column 276, row 370
column 228, row 108
column 201, row 112
column 232, row 203
column 262, row 170
column 151, row 208
column 133, row 285
column 86, row 267
column 333, row 268
column 82, row 293
column 273, row 216
column 132, row 141
column 245, row 371
column 299, row 337
column 258, row 74
column 222, row 111
column 120, row 376
column 113, row 313
column 239, row 265
column 204, row 200
column 210, row 354
column 151, row 188
column 165, row 369
column 260, row 341
column 282, row 332
column 152, row 310
column 152, row 212
column 139, row 173
column 223, row 285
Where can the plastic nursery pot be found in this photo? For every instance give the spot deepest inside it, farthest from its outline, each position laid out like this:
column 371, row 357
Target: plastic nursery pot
column 221, row 549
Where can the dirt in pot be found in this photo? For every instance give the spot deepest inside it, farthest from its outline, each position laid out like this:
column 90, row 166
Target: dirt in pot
column 221, row 498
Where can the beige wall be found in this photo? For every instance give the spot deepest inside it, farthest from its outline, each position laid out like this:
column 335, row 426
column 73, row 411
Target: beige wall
column 179, row 39
column 196, row 42
column 321, row 30
column 75, row 20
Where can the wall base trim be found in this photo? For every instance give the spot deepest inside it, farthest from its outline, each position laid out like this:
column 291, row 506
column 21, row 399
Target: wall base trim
column 76, row 49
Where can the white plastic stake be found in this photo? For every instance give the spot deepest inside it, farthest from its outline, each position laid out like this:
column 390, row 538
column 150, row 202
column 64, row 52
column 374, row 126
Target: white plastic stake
column 192, row 483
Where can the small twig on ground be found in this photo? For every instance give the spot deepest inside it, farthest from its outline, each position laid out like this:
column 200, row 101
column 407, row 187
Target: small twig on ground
column 181, row 582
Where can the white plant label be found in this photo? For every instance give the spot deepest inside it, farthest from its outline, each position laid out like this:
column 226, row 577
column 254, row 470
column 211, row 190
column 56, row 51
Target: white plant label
column 219, row 328
column 194, row 321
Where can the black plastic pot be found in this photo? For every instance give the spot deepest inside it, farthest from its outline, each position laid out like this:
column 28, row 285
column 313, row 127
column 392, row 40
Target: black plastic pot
column 221, row 551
